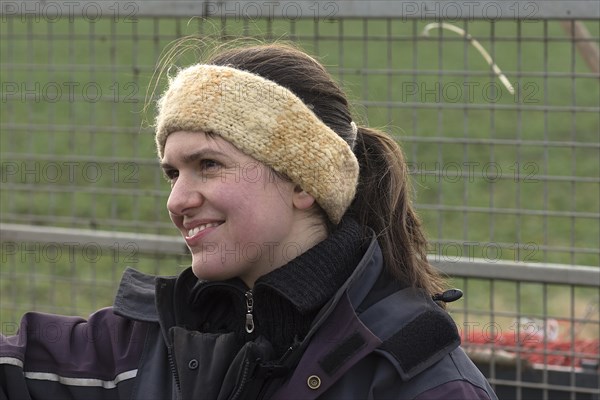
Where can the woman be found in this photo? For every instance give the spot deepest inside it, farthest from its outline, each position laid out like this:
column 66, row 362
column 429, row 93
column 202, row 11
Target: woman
column 309, row 275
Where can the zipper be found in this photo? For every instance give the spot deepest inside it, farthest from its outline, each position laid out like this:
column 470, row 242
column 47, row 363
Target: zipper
column 174, row 371
column 249, row 309
column 249, row 324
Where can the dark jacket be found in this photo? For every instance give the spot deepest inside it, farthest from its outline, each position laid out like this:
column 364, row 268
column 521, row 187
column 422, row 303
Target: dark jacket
column 370, row 341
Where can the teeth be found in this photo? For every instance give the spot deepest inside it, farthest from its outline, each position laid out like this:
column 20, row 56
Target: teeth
column 202, row 227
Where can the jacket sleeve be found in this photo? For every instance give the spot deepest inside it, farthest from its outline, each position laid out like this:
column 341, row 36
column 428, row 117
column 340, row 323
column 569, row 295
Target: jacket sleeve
column 60, row 357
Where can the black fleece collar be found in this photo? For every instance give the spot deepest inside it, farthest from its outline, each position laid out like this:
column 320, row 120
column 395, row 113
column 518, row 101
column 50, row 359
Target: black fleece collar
column 309, row 280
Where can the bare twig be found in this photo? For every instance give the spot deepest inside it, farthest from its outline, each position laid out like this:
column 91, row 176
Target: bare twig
column 477, row 45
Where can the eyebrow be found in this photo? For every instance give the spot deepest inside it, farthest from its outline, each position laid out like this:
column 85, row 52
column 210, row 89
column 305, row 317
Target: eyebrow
column 193, row 157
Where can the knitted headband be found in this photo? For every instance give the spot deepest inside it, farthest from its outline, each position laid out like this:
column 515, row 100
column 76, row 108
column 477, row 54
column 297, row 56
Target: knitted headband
column 265, row 121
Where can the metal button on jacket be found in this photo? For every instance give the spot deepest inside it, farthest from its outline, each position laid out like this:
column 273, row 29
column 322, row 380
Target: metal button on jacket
column 314, row 382
column 193, row 364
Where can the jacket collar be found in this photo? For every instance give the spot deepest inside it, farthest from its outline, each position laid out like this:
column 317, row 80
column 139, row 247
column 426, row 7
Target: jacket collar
column 136, row 296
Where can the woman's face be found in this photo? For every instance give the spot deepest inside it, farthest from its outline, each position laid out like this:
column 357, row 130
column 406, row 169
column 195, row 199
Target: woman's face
column 237, row 217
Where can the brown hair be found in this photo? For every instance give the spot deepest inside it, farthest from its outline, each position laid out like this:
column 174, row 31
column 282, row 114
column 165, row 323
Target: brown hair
column 384, row 195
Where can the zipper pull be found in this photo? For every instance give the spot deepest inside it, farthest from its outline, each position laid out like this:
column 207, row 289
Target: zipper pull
column 249, row 308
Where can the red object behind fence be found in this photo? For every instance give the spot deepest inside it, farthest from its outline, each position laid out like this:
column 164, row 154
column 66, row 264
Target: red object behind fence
column 534, row 348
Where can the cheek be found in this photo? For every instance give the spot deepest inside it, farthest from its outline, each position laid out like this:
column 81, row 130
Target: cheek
column 274, row 220
column 258, row 211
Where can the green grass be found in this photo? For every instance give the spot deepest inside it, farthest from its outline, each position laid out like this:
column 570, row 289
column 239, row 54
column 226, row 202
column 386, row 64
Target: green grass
column 376, row 61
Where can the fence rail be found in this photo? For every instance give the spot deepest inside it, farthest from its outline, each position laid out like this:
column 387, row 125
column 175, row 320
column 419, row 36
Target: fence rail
column 174, row 245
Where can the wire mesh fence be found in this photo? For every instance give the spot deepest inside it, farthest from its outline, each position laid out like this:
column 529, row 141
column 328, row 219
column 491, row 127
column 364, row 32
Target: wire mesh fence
column 505, row 175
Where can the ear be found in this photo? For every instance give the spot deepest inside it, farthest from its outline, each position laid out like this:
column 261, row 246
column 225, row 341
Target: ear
column 301, row 199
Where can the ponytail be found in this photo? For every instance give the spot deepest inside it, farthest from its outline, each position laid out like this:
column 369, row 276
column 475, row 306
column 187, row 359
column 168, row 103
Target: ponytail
column 384, row 202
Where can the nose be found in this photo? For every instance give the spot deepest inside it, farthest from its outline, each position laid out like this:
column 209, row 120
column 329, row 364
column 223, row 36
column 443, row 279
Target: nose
column 184, row 197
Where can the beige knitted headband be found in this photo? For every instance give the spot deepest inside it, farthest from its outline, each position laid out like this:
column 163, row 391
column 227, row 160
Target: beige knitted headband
column 267, row 122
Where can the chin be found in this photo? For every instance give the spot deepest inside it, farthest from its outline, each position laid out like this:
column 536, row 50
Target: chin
column 207, row 272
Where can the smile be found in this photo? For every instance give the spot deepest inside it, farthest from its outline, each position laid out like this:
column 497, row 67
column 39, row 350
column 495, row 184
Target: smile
column 194, row 231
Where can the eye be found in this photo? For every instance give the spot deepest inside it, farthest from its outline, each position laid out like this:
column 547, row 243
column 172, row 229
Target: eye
column 170, row 174
column 208, row 164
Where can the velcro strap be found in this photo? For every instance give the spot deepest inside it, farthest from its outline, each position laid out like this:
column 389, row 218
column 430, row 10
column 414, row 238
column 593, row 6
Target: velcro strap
column 422, row 342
